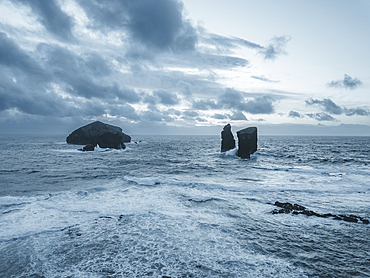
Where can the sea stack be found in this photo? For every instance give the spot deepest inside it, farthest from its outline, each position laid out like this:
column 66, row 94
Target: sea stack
column 227, row 139
column 98, row 133
column 247, row 141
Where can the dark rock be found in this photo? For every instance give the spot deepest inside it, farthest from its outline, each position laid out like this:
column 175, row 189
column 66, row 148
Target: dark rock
column 350, row 219
column 298, row 209
column 247, row 141
column 289, row 207
column 98, row 133
column 309, row 213
column 111, row 140
column 88, row 148
column 227, row 139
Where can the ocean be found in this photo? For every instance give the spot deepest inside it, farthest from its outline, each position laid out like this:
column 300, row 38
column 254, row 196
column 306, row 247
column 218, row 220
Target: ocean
column 175, row 206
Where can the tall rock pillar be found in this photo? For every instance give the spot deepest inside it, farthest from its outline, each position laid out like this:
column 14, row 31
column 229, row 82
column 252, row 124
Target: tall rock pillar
column 227, row 139
column 247, row 141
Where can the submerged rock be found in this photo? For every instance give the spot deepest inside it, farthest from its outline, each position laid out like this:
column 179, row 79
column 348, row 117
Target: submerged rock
column 247, row 141
column 88, row 148
column 98, row 133
column 227, row 139
column 298, row 209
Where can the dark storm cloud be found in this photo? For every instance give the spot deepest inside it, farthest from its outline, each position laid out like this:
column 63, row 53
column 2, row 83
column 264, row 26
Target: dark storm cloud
column 294, row 114
column 153, row 115
column 153, row 47
column 96, row 65
column 165, row 97
column 234, row 100
column 204, row 104
column 111, row 14
column 347, row 83
column 275, row 48
column 78, row 74
column 231, row 99
column 321, row 117
column 356, row 111
column 190, row 113
column 175, row 112
column 238, row 116
column 11, row 55
column 262, row 78
column 26, row 85
column 218, row 116
column 260, row 105
column 327, row 105
column 52, row 17
column 41, row 100
column 157, row 24
column 64, row 62
column 86, row 88
column 330, row 107
column 149, row 99
column 199, row 119
column 126, row 111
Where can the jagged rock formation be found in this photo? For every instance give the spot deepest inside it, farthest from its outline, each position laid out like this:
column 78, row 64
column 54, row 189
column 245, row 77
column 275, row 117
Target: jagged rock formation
column 98, row 133
column 227, row 139
column 298, row 209
column 247, row 141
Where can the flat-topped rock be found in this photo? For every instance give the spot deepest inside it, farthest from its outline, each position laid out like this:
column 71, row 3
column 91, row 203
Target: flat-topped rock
column 247, row 141
column 98, row 133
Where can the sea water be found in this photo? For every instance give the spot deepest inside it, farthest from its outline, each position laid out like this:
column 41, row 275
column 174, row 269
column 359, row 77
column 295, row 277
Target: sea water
column 175, row 206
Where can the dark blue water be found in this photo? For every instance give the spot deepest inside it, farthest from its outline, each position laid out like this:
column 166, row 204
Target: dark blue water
column 175, row 206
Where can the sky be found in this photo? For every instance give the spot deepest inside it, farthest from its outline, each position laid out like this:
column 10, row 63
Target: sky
column 185, row 67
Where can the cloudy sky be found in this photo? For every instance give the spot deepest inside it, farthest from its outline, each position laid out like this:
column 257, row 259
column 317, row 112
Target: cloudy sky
column 185, row 67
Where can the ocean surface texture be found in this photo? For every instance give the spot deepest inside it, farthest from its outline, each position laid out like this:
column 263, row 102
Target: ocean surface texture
column 172, row 206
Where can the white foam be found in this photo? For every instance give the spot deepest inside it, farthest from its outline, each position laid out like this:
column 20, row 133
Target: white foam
column 145, row 181
column 232, row 152
column 131, row 231
column 102, row 150
column 13, row 200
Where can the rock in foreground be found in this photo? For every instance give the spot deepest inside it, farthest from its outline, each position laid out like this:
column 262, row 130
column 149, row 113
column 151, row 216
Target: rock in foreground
column 98, row 133
column 227, row 139
column 298, row 209
column 247, row 141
